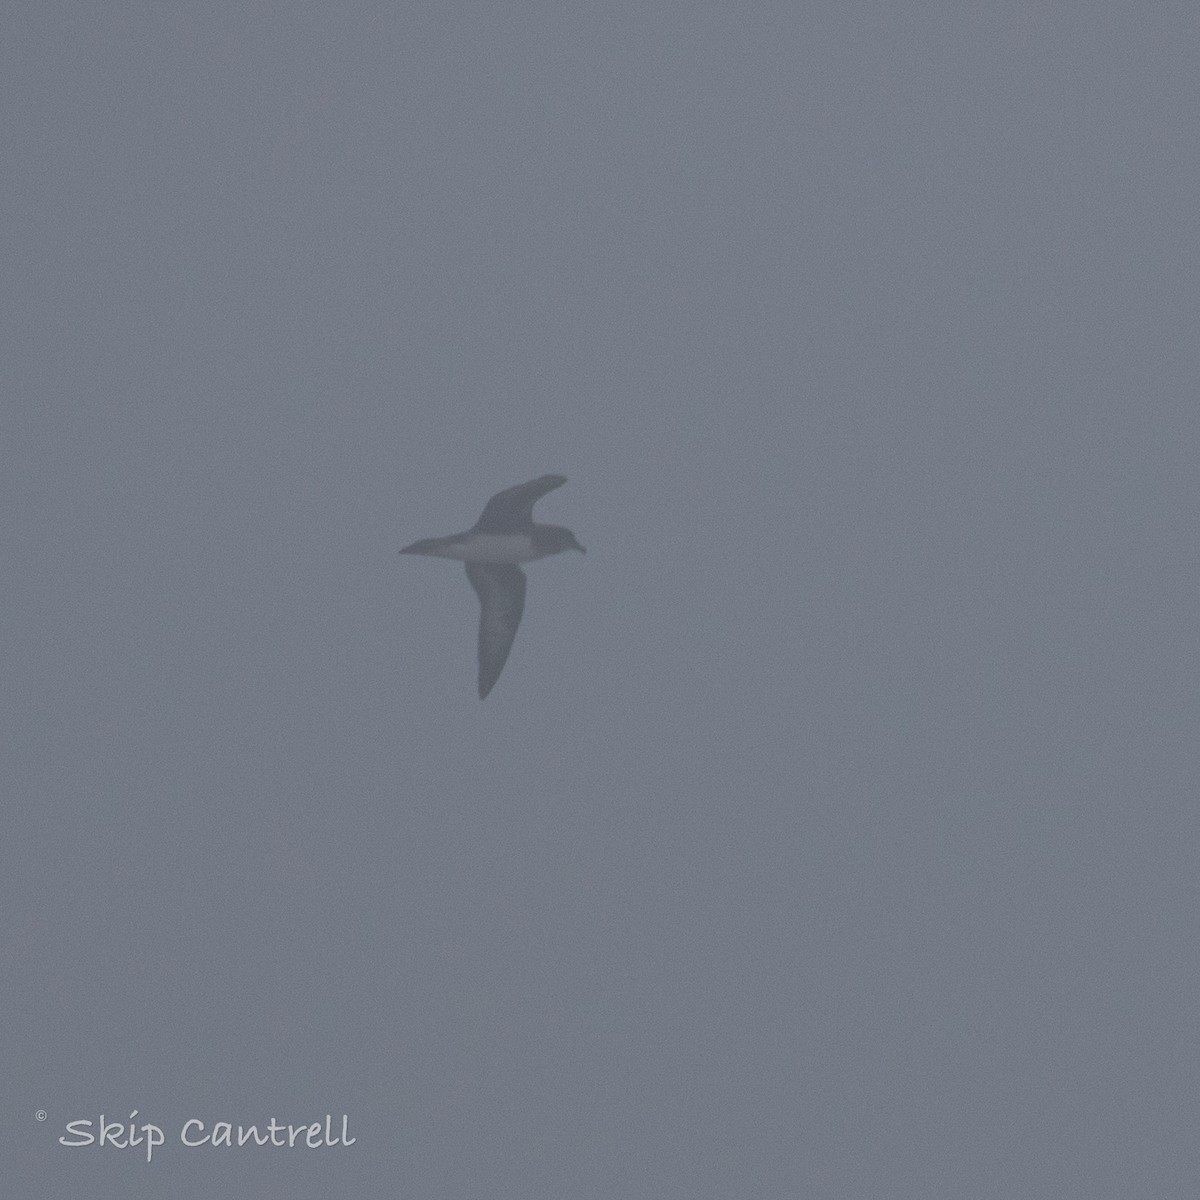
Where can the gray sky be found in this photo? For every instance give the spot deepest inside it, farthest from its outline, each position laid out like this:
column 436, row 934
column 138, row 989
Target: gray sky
column 832, row 829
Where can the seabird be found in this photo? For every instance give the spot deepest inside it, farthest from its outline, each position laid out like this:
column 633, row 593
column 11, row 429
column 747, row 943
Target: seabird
column 502, row 537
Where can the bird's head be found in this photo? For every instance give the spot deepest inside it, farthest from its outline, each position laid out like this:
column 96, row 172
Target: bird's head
column 553, row 539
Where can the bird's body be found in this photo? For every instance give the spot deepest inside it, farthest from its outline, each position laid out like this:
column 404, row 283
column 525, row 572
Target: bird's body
column 478, row 547
column 504, row 536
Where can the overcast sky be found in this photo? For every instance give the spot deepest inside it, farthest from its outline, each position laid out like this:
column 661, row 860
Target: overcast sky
column 832, row 830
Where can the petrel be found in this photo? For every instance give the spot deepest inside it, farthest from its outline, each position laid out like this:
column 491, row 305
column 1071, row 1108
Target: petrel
column 502, row 537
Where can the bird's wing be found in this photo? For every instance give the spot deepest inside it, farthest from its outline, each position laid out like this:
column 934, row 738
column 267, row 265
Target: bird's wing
column 501, row 591
column 513, row 507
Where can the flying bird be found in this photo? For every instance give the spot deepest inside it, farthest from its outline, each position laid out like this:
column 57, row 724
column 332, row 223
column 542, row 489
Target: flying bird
column 504, row 536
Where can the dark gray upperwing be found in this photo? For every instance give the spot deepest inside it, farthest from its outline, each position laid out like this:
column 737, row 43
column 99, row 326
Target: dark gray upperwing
column 512, row 509
column 501, row 591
